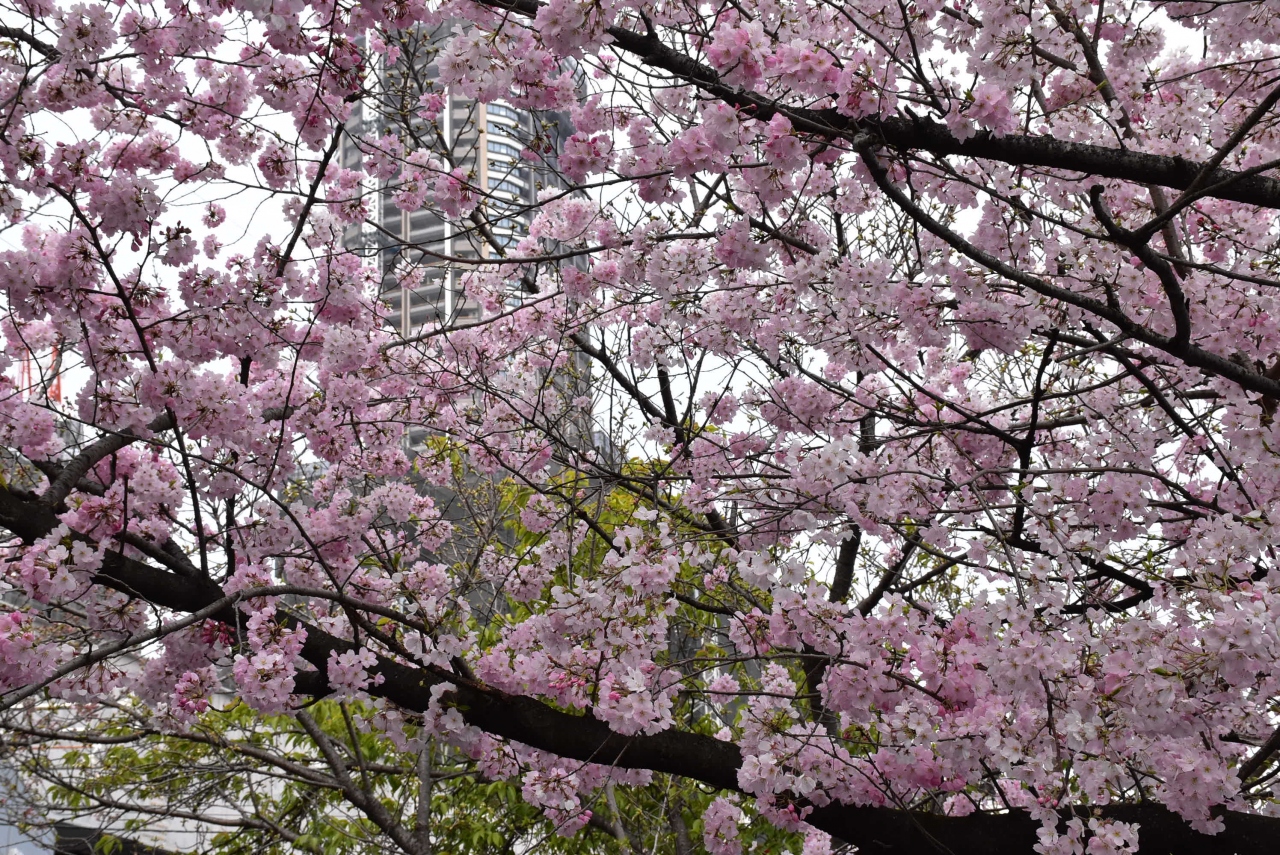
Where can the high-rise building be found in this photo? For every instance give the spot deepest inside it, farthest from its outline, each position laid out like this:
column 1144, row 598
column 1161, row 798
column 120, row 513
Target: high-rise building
column 423, row 256
column 483, row 139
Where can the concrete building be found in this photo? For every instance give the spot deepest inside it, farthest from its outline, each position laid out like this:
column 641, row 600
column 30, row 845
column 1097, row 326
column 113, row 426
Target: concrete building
column 485, row 140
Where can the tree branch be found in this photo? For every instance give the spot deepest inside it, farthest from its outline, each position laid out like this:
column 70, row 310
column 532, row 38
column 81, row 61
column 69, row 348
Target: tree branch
column 688, row 755
column 923, row 134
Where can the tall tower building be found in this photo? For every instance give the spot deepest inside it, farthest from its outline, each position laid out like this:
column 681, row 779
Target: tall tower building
column 423, row 256
column 483, row 139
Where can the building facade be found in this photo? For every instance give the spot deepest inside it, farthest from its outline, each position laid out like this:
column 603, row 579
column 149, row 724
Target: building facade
column 485, row 140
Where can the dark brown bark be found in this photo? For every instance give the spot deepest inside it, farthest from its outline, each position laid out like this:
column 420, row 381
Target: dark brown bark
column 925, row 135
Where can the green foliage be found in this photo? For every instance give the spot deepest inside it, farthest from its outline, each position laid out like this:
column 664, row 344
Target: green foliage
column 263, row 785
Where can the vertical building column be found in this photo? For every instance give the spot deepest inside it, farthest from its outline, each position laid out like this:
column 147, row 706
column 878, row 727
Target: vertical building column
column 447, row 284
column 482, row 157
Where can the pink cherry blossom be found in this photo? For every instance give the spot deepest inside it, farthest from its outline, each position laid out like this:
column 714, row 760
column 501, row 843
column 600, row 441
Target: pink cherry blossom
column 862, row 413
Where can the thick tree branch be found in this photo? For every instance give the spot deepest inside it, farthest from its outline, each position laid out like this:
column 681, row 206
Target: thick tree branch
column 103, row 448
column 689, row 755
column 922, row 134
column 70, row 475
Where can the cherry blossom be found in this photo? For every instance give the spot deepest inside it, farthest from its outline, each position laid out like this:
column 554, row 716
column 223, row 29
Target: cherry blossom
column 866, row 413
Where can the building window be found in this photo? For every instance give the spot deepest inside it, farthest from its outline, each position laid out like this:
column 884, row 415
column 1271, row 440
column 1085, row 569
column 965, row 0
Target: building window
column 504, row 186
column 503, row 149
column 505, row 112
column 501, row 130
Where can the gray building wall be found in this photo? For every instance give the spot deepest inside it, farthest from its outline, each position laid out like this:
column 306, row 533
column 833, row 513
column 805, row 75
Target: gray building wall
column 485, row 140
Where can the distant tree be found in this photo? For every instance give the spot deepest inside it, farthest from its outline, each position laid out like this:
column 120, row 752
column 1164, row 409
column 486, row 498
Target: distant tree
column 317, row 781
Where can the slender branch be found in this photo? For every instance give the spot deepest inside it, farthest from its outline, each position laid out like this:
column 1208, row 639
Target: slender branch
column 1192, row 355
column 1178, row 304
